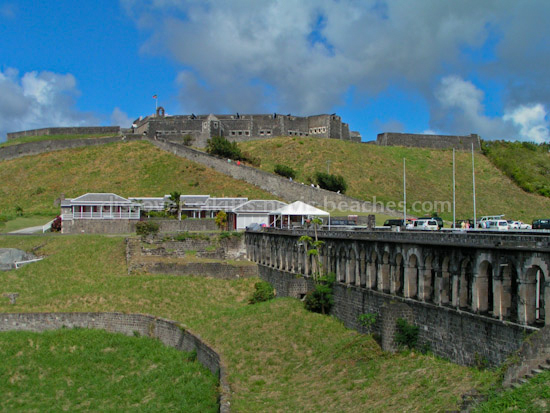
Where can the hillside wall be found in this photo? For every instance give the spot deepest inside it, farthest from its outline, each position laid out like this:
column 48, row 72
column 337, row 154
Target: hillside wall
column 125, row 226
column 283, row 188
column 170, row 333
column 35, row 148
column 429, row 141
column 85, row 130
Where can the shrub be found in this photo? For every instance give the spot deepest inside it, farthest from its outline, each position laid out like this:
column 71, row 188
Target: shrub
column 263, row 292
column 331, row 182
column 221, row 220
column 367, row 320
column 285, row 171
column 146, row 228
column 320, row 299
column 406, row 334
column 188, row 140
column 220, row 146
column 56, row 224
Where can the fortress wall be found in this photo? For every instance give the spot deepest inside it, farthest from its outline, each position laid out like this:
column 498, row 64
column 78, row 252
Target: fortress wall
column 35, row 148
column 459, row 336
column 429, row 141
column 282, row 188
column 170, row 333
column 85, row 130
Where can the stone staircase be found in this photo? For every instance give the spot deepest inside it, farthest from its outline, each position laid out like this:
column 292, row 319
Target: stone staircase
column 541, row 368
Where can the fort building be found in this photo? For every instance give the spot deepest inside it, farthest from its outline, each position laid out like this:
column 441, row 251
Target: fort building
column 242, row 127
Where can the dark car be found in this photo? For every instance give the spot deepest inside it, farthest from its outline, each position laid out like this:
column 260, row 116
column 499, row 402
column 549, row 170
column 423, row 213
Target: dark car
column 393, row 223
column 541, row 224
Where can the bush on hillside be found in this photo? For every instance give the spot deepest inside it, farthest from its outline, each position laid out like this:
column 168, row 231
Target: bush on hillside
column 331, row 182
column 220, row 146
column 285, row 171
column 57, row 224
column 263, row 292
column 144, row 228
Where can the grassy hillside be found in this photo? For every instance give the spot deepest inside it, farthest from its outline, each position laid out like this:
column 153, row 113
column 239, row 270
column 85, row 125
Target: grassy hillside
column 526, row 163
column 376, row 172
column 32, row 183
column 81, row 369
column 280, row 357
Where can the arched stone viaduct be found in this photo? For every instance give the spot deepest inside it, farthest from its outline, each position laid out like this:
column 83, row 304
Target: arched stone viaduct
column 496, row 282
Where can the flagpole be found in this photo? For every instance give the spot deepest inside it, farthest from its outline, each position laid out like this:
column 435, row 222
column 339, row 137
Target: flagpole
column 404, row 194
column 474, row 186
column 454, row 191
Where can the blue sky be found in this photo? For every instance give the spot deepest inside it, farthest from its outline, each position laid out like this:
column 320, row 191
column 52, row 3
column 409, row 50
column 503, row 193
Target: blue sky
column 426, row 66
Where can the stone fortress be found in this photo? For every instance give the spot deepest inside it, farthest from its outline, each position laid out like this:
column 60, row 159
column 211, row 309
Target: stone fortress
column 242, row 127
column 245, row 127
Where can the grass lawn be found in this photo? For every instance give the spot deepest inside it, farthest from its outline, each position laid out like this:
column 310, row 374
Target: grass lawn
column 26, row 139
column 533, row 396
column 24, row 222
column 279, row 356
column 376, row 173
column 98, row 371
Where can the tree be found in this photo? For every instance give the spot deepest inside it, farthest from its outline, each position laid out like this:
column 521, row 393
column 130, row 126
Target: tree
column 175, row 197
column 221, row 220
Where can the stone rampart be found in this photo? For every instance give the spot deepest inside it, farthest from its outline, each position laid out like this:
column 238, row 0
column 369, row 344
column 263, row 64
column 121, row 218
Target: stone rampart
column 281, row 187
column 170, row 333
column 462, row 337
column 84, row 130
column 35, row 148
column 429, row 141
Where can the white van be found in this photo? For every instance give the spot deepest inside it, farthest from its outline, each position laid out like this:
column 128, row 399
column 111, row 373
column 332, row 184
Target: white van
column 497, row 224
column 425, row 224
column 484, row 220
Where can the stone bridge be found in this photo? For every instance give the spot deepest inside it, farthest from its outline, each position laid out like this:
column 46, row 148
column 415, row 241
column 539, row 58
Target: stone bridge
column 481, row 291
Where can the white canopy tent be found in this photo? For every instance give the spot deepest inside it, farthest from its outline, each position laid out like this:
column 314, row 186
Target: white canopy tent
column 296, row 209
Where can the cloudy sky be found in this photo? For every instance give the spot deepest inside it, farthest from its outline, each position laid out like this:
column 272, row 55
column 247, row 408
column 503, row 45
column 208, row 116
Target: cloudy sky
column 450, row 67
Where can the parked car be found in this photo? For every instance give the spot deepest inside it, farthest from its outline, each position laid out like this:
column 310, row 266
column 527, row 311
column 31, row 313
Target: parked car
column 523, row 225
column 513, row 224
column 393, row 223
column 497, row 224
column 541, row 224
column 424, row 224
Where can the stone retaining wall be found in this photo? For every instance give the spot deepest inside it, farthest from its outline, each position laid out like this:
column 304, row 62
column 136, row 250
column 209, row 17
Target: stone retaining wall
column 125, row 226
column 35, row 148
column 81, row 130
column 170, row 333
column 459, row 336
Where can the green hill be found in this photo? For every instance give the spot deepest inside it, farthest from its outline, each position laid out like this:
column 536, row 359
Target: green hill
column 526, row 163
column 31, row 184
column 376, row 173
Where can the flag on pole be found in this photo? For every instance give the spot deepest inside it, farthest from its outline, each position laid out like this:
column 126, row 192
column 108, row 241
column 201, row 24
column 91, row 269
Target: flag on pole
column 155, row 96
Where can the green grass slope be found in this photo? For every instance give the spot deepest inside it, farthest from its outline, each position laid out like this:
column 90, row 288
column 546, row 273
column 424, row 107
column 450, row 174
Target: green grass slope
column 526, row 163
column 32, row 183
column 92, row 370
column 279, row 356
column 376, row 173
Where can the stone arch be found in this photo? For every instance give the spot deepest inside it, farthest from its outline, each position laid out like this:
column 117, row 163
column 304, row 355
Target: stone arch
column 465, row 284
column 430, row 285
column 411, row 277
column 398, row 275
column 446, row 290
column 341, row 264
column 384, row 273
column 160, row 112
column 534, row 295
column 482, row 289
column 351, row 272
column 362, row 277
column 506, row 292
column 372, row 271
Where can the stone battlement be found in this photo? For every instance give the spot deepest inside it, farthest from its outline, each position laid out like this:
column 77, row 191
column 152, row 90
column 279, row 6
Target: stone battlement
column 85, row 130
column 429, row 141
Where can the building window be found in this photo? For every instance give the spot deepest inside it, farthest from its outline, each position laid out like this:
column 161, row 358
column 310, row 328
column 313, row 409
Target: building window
column 247, row 133
column 261, row 132
column 268, row 132
column 240, row 132
column 233, row 133
column 215, row 124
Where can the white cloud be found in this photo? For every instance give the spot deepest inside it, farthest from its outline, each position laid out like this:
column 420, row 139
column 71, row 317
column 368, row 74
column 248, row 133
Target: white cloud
column 120, row 118
column 38, row 100
column 532, row 122
column 302, row 56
